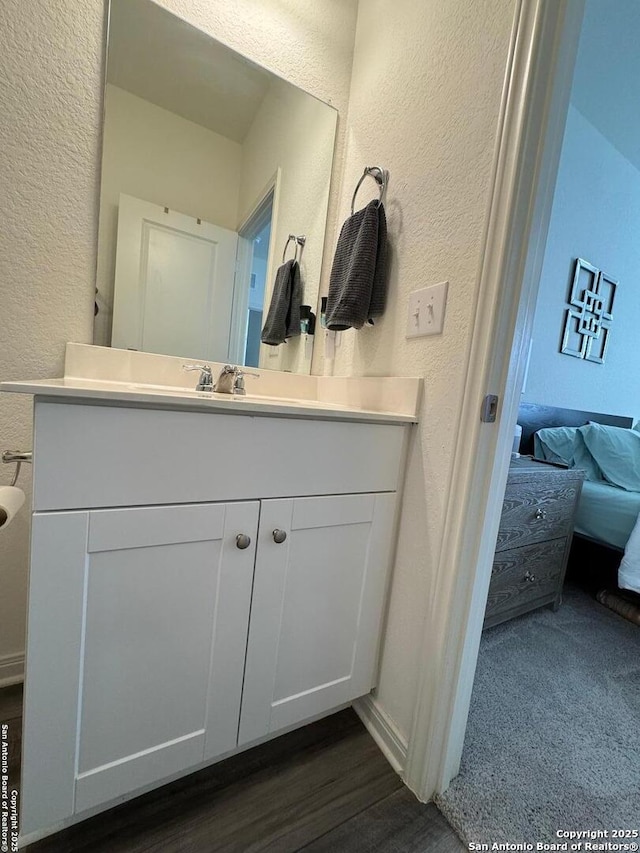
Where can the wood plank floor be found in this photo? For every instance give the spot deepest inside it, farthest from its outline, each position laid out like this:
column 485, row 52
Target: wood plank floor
column 324, row 788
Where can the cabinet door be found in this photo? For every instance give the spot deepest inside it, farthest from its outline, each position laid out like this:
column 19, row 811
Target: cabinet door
column 317, row 607
column 137, row 636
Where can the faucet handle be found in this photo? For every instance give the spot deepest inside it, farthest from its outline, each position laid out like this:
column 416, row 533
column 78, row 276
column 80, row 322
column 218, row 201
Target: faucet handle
column 238, row 385
column 205, row 368
column 205, row 382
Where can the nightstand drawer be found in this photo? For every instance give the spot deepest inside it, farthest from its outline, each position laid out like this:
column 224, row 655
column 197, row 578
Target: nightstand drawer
column 520, row 576
column 536, row 512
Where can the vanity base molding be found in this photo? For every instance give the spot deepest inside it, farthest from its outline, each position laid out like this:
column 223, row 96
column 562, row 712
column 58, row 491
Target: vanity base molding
column 243, row 601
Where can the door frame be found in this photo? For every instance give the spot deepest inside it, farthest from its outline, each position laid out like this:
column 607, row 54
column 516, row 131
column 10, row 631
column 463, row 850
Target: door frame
column 238, row 332
column 535, row 100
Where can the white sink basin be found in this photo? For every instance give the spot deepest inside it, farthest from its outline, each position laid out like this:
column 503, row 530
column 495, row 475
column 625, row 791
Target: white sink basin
column 212, row 395
column 178, row 390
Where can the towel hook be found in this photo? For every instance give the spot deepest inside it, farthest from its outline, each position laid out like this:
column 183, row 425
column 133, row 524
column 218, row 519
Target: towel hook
column 380, row 176
column 10, row 456
column 299, row 240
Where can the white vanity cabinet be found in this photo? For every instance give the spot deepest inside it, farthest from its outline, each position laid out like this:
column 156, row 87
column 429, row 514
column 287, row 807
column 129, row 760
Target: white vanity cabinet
column 316, row 607
column 138, row 622
column 242, row 600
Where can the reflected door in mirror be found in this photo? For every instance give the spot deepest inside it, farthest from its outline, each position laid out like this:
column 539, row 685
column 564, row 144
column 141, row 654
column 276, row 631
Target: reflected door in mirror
column 173, row 282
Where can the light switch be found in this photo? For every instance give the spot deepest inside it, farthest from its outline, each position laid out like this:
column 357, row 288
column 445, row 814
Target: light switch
column 426, row 310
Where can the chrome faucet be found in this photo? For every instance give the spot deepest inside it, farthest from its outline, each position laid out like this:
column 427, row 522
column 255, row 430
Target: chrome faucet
column 231, row 380
column 205, row 382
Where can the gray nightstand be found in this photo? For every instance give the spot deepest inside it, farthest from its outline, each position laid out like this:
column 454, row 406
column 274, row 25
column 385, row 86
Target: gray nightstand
column 534, row 539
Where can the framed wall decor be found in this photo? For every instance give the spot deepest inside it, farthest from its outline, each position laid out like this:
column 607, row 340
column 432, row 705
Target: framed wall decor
column 590, row 313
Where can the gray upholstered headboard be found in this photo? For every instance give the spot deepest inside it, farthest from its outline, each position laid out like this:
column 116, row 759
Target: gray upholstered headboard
column 533, row 417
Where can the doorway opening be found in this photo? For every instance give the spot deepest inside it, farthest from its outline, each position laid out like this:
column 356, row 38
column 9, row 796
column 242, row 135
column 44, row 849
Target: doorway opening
column 552, row 740
column 254, row 246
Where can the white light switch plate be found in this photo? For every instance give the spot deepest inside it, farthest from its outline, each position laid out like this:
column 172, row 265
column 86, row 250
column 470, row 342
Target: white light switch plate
column 425, row 314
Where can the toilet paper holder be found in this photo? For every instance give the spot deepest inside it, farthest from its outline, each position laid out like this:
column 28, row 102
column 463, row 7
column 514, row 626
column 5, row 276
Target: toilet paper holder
column 17, row 457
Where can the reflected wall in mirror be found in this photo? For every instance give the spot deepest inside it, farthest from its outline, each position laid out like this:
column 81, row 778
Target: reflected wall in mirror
column 209, row 163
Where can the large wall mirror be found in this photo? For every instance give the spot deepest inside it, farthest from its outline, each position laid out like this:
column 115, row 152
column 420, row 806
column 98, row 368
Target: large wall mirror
column 209, row 164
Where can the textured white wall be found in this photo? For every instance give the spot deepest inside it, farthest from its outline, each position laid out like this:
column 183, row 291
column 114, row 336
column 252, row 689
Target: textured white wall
column 425, row 97
column 50, row 84
column 51, row 57
column 296, row 134
column 595, row 216
column 158, row 156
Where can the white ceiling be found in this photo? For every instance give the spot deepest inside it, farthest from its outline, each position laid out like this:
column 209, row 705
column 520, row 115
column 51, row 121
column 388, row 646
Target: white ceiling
column 158, row 57
column 606, row 83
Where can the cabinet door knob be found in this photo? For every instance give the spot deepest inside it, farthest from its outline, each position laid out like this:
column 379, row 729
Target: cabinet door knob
column 529, row 577
column 279, row 536
column 243, row 541
column 541, row 513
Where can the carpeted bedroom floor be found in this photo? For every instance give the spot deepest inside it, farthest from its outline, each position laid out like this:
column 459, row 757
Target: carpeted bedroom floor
column 553, row 740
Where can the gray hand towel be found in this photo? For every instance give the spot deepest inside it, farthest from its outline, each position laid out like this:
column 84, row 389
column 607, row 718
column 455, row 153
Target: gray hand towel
column 283, row 318
column 357, row 287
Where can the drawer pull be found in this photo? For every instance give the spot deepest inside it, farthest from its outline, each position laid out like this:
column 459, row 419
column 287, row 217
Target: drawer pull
column 541, row 514
column 529, row 577
column 279, row 536
column 243, row 541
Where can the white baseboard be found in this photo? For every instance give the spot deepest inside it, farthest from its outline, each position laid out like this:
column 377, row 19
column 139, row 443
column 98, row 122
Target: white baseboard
column 11, row 669
column 383, row 730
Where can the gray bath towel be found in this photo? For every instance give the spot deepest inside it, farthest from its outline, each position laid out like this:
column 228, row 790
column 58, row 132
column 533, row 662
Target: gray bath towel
column 357, row 287
column 283, row 318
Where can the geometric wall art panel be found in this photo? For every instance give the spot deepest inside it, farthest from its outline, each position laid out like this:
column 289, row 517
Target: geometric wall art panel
column 590, row 313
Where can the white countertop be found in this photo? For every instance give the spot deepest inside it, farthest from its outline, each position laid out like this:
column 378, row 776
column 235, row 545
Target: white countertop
column 169, row 397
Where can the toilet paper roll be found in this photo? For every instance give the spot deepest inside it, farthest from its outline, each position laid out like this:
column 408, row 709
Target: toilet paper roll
column 11, row 499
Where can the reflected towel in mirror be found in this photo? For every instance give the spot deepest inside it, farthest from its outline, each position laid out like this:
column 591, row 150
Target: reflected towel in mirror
column 283, row 318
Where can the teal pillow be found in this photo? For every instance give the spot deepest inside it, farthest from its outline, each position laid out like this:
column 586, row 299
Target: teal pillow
column 565, row 445
column 617, row 453
column 555, row 444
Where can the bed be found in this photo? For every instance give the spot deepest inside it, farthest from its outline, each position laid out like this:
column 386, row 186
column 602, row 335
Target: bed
column 607, row 514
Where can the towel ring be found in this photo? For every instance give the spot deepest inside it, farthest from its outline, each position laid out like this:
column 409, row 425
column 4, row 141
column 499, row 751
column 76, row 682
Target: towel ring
column 299, row 240
column 380, row 176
